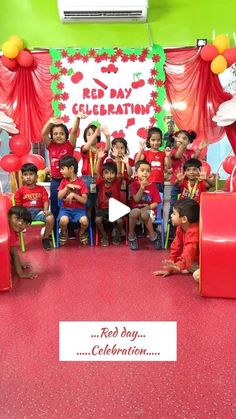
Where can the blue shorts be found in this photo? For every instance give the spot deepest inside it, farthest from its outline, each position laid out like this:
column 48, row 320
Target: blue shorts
column 74, row 214
column 37, row 214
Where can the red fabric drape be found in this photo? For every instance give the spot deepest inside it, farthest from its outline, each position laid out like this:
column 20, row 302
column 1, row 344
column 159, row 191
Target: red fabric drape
column 191, row 83
column 25, row 96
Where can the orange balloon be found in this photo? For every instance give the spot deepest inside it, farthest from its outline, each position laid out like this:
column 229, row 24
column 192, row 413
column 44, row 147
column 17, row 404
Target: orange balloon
column 16, row 40
column 10, row 50
column 219, row 64
column 221, row 42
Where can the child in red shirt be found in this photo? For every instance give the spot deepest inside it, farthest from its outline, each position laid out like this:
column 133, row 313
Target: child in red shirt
column 159, row 160
column 18, row 218
column 108, row 187
column 73, row 192
column 184, row 251
column 89, row 153
column 35, row 198
column 59, row 143
column 193, row 180
column 144, row 197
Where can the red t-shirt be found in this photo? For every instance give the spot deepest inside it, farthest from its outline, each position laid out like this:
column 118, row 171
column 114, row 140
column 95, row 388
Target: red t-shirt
column 150, row 195
column 157, row 161
column 31, row 197
column 189, row 190
column 106, row 192
column 87, row 157
column 177, row 164
column 123, row 169
column 13, row 238
column 80, row 190
column 184, row 250
column 56, row 152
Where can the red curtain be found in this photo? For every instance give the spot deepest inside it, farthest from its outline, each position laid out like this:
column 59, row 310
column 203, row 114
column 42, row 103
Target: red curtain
column 25, row 96
column 194, row 93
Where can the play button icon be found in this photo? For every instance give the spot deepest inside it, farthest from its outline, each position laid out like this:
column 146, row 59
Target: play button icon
column 117, row 210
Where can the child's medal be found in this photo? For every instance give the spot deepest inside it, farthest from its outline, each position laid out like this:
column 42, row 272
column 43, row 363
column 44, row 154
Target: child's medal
column 192, row 190
column 92, row 186
column 123, row 183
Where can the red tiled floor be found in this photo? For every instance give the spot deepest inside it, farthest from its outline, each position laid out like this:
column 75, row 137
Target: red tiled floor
column 113, row 283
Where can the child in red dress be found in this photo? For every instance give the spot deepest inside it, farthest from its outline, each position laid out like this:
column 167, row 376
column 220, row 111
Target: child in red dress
column 144, row 197
column 18, row 218
column 35, row 198
column 89, row 153
column 184, row 251
column 59, row 143
column 159, row 160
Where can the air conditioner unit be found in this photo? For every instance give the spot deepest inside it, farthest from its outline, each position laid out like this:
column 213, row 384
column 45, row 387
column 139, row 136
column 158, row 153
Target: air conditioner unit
column 102, row 10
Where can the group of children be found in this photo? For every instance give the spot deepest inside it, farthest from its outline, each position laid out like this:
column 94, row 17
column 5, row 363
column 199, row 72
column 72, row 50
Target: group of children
column 107, row 171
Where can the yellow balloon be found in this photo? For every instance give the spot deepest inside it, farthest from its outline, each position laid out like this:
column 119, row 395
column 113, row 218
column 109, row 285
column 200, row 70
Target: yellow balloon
column 16, row 40
column 219, row 64
column 221, row 42
column 10, row 50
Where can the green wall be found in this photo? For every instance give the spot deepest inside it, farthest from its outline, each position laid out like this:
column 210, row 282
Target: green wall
column 171, row 23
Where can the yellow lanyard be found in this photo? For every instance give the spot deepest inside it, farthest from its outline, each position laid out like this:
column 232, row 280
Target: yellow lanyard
column 192, row 190
column 92, row 162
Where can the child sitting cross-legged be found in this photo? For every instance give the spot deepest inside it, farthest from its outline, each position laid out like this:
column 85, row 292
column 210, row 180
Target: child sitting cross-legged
column 73, row 192
column 193, row 180
column 109, row 185
column 18, row 218
column 35, row 198
column 184, row 250
column 143, row 200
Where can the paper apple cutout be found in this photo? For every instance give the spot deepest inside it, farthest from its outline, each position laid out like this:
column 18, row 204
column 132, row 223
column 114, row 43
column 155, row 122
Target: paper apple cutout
column 142, row 133
column 77, row 77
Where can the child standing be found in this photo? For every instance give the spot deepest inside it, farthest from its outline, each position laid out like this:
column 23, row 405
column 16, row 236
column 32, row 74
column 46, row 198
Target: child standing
column 193, row 180
column 89, row 153
column 18, row 218
column 35, row 198
column 144, row 198
column 108, row 187
column 159, row 160
column 184, row 251
column 73, row 192
column 59, row 143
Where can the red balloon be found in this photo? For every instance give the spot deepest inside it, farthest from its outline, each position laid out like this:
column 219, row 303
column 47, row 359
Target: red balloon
column 41, row 162
column 77, row 155
column 207, row 167
column 10, row 163
column 230, row 56
column 227, row 184
column 25, row 58
column 35, row 159
column 209, row 52
column 229, row 163
column 19, row 145
column 7, row 200
column 9, row 63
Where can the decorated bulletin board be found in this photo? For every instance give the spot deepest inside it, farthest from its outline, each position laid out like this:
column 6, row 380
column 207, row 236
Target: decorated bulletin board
column 120, row 88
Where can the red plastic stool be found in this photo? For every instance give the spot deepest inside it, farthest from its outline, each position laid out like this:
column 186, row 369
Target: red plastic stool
column 218, row 245
column 5, row 268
